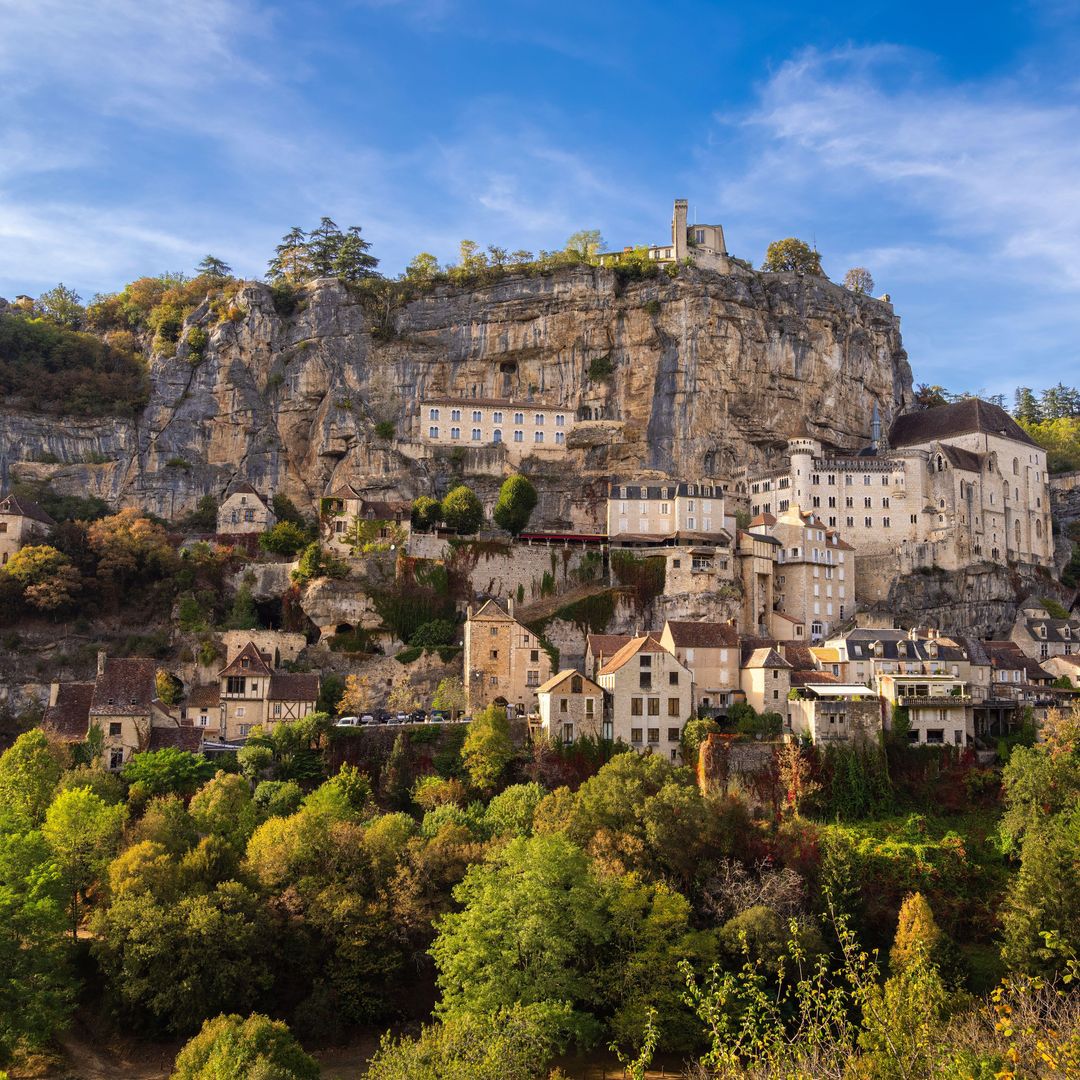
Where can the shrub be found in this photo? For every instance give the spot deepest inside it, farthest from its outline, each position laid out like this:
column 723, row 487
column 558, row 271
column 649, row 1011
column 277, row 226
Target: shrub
column 461, row 510
column 256, row 1048
column 433, row 634
column 285, row 538
column 517, row 500
column 384, row 429
column 601, row 368
column 407, row 656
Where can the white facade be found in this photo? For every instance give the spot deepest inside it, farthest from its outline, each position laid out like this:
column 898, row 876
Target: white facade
column 523, row 428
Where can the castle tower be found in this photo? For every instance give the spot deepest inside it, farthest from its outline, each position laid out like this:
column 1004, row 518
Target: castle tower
column 875, row 428
column 678, row 230
column 802, row 450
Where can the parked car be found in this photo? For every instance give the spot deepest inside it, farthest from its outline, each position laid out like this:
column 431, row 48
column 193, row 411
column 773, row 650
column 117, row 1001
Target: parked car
column 367, row 718
column 437, row 717
column 464, row 720
column 383, row 716
column 347, row 721
column 402, row 718
column 419, row 716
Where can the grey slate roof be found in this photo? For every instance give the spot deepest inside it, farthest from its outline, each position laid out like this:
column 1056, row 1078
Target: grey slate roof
column 960, row 418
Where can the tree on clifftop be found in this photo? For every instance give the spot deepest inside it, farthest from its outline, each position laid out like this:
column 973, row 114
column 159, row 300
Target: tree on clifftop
column 859, row 280
column 517, row 500
column 792, row 255
column 214, row 268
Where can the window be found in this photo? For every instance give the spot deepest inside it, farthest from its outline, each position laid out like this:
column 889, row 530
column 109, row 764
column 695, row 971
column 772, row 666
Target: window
column 849, row 502
column 568, row 733
column 496, row 417
column 475, row 434
column 519, row 436
column 885, row 503
column 249, row 515
column 235, row 684
column 672, row 734
column 885, row 522
column 455, row 433
column 433, row 432
column 673, row 678
column 654, row 735
column 494, row 654
column 868, row 522
column 564, row 705
column 433, row 414
column 560, row 438
column 636, row 707
column 538, row 419
column 241, row 710
column 245, row 730
column 477, row 416
column 868, row 502
column 116, row 758
column 455, row 414
column 560, row 421
column 608, row 730
column 538, row 437
column 115, row 728
column 496, row 436
column 654, row 706
column 494, row 631
column 204, row 720
column 277, row 708
column 534, row 658
column 519, row 418
column 635, row 735
column 673, row 707
column 532, row 678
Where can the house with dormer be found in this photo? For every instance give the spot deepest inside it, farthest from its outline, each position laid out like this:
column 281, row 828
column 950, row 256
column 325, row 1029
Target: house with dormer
column 505, row 664
column 22, row 522
column 1041, row 636
column 251, row 693
column 571, row 706
column 244, row 512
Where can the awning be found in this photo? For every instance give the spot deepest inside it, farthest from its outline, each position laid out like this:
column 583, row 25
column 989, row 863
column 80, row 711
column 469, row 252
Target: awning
column 838, row 690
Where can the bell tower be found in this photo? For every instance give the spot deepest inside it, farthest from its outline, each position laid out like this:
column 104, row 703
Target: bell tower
column 678, row 230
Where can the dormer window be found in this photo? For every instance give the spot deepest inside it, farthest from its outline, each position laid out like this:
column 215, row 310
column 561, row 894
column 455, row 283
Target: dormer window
column 245, row 662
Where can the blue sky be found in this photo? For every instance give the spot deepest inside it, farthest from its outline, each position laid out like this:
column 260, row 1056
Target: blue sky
column 936, row 144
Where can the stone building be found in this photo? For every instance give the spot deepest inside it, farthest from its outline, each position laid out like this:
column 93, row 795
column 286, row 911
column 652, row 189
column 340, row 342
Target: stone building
column 650, row 696
column 505, row 664
column 667, row 508
column 757, row 562
column 22, row 522
column 572, row 705
column 765, row 677
column 1041, row 636
column 710, row 651
column 123, row 702
column 831, row 711
column 957, row 485
column 251, row 693
column 244, row 512
column 524, row 428
column 600, row 648
column 814, row 583
column 345, row 513
column 702, row 244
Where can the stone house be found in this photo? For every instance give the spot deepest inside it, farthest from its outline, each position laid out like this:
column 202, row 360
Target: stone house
column 703, row 245
column 939, row 707
column 251, row 693
column 244, row 512
column 667, row 508
column 710, row 650
column 829, row 710
column 757, row 561
column 384, row 521
column 22, row 522
column 505, row 664
column 650, row 696
column 1067, row 666
column 572, row 705
column 765, row 677
column 522, row 428
column 122, row 701
column 1041, row 636
column 814, row 583
column 599, row 648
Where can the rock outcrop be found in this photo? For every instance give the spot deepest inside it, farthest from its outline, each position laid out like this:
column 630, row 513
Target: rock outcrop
column 708, row 372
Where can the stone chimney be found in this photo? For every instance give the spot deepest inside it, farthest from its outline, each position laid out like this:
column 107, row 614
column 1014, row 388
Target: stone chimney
column 54, row 693
column 101, row 662
column 510, row 606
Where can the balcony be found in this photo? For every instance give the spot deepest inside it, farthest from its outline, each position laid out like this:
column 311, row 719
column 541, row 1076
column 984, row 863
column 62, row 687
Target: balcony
column 942, row 700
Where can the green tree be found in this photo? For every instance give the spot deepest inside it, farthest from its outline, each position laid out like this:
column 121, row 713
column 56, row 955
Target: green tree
column 462, row 511
column 352, row 261
column 859, row 280
column 179, row 961
column 791, row 255
column 423, row 269
column 585, row 245
column 516, row 1043
column 488, row 749
column 277, row 798
column 167, row 771
column 37, row 989
column 285, row 538
column 214, row 268
column 394, row 777
column 517, row 500
column 251, row 1048
column 694, row 734
column 82, row 832
column 29, row 772
column 1026, row 408
column 426, row 513
column 204, row 516
column 930, row 397
column 61, row 306
column 223, row 807
column 511, row 812
column 324, row 243
column 243, row 614
column 46, row 576
column 292, row 262
column 167, row 687
column 450, row 695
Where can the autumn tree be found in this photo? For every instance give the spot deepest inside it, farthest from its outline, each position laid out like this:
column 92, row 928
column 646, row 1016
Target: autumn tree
column 45, row 575
column 585, row 244
column 423, row 269
column 859, row 280
column 795, row 775
column 357, row 695
column 129, row 547
column 791, row 255
column 916, row 930
column 517, row 500
column 930, row 396
column 450, row 694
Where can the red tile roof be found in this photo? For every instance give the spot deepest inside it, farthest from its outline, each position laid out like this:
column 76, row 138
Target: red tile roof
column 293, row 687
column 126, row 687
column 256, row 663
column 180, row 738
column 703, row 635
column 204, row 697
column 646, row 643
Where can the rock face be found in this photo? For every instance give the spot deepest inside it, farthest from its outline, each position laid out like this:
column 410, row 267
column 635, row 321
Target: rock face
column 708, row 372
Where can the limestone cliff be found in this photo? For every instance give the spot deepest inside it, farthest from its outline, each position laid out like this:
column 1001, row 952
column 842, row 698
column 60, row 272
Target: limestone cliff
column 708, row 372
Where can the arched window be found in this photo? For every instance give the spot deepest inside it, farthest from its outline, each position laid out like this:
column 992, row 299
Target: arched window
column 1016, row 467
column 1038, row 528
column 940, row 464
column 1016, row 532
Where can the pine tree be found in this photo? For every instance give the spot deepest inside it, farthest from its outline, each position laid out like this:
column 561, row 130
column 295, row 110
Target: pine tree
column 324, row 243
column 213, row 267
column 292, row 258
column 394, row 778
column 1026, row 408
column 917, row 932
column 352, row 261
